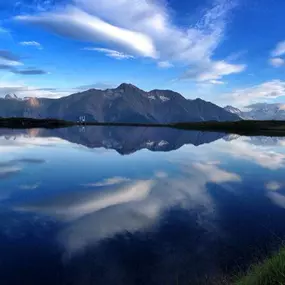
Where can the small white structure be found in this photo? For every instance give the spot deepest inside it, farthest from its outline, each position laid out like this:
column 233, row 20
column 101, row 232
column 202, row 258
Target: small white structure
column 82, row 119
column 81, row 129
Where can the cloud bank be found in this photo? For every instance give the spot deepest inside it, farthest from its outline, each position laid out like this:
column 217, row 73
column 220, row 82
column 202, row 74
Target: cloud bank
column 133, row 28
column 262, row 92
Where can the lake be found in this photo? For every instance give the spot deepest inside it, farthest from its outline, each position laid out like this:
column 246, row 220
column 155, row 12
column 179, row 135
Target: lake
column 125, row 205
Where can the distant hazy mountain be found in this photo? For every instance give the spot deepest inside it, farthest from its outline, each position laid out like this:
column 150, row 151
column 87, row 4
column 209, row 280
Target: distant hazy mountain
column 267, row 141
column 125, row 140
column 235, row 111
column 260, row 111
column 126, row 103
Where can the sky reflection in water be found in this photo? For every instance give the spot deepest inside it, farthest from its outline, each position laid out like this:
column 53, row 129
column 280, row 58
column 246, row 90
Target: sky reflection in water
column 136, row 206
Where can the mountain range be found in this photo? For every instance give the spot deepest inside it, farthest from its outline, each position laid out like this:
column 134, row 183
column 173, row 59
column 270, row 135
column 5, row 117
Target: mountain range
column 126, row 103
column 260, row 111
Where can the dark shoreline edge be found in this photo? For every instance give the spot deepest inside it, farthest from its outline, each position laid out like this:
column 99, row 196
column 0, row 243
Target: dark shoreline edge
column 242, row 127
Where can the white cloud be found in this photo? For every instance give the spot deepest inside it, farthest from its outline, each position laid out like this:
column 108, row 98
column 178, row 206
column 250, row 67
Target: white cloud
column 213, row 71
column 30, row 186
column 9, row 63
column 279, row 50
column 277, row 199
column 108, row 182
column 111, row 53
column 22, row 90
column 145, row 28
column 78, row 24
column 164, row 64
column 262, row 156
column 9, row 59
column 215, row 174
column 217, row 82
column 133, row 205
column 265, row 91
column 7, row 171
column 94, row 201
column 273, row 186
column 32, row 43
column 3, row 31
column 161, row 175
column 20, row 142
column 98, row 85
column 276, row 61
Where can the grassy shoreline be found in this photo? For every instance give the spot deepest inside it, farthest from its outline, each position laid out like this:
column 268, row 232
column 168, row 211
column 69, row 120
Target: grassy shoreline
column 243, row 127
column 269, row 272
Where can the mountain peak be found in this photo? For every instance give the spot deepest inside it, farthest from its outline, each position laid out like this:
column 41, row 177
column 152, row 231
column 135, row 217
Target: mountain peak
column 232, row 109
column 11, row 97
column 199, row 100
column 127, row 86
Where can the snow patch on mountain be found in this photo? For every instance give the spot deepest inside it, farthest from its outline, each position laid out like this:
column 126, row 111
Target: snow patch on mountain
column 150, row 143
column 162, row 143
column 163, row 98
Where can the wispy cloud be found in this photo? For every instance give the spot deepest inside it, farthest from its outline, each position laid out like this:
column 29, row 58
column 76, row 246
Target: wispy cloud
column 3, row 30
column 96, row 200
column 215, row 174
column 12, row 167
column 213, row 71
column 265, row 92
column 279, row 49
column 217, row 82
column 9, row 59
column 164, row 64
column 111, row 53
column 5, row 66
column 10, row 62
column 98, row 85
column 264, row 157
column 29, row 71
column 108, row 182
column 132, row 205
column 29, row 160
column 277, row 61
column 8, row 171
column 32, row 43
column 275, row 56
column 277, row 198
column 273, row 186
column 78, row 24
column 29, row 186
column 145, row 28
column 22, row 90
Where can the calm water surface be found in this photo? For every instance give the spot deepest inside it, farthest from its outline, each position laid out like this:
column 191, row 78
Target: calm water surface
column 136, row 206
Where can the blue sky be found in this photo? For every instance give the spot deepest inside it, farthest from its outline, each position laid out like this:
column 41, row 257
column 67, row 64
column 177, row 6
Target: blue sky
column 224, row 51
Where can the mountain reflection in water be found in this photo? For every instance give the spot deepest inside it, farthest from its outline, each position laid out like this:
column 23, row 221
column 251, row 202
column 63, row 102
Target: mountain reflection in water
column 73, row 211
column 125, row 140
